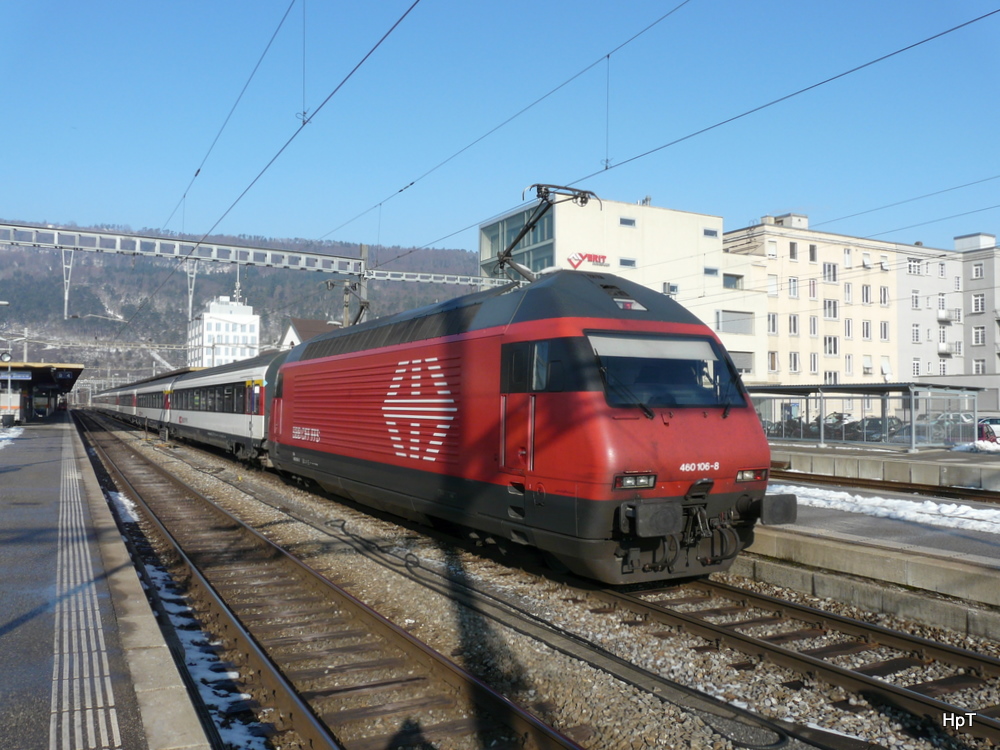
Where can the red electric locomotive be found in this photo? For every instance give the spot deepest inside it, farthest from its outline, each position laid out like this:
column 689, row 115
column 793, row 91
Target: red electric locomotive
column 582, row 414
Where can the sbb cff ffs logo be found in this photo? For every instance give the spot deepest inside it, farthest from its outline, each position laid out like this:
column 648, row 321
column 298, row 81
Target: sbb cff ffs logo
column 578, row 259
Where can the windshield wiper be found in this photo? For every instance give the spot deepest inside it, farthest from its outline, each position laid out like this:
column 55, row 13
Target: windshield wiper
column 621, row 387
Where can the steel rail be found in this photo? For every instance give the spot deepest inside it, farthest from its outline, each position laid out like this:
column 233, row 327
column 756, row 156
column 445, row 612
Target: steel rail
column 533, row 732
column 874, row 690
column 954, row 493
column 287, row 700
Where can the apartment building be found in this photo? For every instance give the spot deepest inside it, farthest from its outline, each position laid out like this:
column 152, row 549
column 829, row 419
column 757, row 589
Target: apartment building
column 852, row 310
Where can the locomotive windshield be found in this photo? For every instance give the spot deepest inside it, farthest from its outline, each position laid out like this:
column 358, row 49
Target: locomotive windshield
column 665, row 371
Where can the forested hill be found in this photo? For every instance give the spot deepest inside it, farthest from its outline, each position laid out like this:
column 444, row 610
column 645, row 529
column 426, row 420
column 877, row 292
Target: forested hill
column 153, row 294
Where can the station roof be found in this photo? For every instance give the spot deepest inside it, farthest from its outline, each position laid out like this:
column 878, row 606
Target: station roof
column 42, row 376
column 875, row 389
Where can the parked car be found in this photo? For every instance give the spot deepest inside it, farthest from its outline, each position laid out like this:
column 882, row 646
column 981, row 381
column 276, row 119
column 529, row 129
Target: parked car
column 873, row 429
column 925, row 432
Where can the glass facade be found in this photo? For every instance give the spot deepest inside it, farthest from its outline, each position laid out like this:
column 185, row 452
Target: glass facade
column 535, row 250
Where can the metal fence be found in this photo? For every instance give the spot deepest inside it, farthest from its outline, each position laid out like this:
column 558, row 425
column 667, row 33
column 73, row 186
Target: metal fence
column 922, row 418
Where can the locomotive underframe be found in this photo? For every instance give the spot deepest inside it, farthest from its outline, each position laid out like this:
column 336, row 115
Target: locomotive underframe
column 615, row 541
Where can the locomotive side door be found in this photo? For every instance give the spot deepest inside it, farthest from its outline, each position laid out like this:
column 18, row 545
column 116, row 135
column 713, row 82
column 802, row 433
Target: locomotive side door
column 516, row 428
column 516, row 409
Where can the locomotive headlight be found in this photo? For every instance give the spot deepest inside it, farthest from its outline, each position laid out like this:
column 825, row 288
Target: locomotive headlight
column 635, row 481
column 751, row 475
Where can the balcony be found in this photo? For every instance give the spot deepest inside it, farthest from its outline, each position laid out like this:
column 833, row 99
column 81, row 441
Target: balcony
column 949, row 316
column 948, row 349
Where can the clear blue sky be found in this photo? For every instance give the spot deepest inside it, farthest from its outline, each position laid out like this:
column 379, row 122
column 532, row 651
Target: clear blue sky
column 111, row 106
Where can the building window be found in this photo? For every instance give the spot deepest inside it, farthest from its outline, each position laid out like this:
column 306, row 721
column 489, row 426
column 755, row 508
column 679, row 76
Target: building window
column 830, row 311
column 883, row 296
column 958, row 283
column 812, row 253
column 732, row 281
column 941, row 270
column 812, row 289
column 813, row 325
column 772, row 285
column 734, row 321
column 772, row 248
column 772, row 324
column 793, row 361
column 813, row 362
column 866, row 330
column 883, row 330
column 977, row 270
column 979, row 335
column 915, row 299
column 866, row 294
column 848, row 263
column 793, row 286
column 915, row 333
column 848, row 328
column 848, row 364
column 831, row 377
column 913, row 266
column 793, row 250
column 626, row 262
column 711, row 271
column 831, row 346
column 710, row 232
column 867, row 368
column 941, row 301
column 943, row 367
column 830, row 273
column 793, row 324
column 979, row 367
column 866, row 260
column 978, row 303
column 772, row 362
column 848, row 293
column 626, row 222
column 884, row 261
column 915, row 368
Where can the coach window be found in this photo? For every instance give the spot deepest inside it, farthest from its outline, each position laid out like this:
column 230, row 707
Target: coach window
column 227, row 403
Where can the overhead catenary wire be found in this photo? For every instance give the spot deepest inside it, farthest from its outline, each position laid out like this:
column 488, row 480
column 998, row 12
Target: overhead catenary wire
column 691, row 135
column 786, row 97
column 232, row 109
column 491, row 131
column 305, row 121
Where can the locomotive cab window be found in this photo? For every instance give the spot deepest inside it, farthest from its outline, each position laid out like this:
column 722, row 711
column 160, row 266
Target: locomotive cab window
column 665, row 371
column 548, row 366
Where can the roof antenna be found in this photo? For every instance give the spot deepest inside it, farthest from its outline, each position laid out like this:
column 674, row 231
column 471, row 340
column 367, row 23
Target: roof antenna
column 546, row 200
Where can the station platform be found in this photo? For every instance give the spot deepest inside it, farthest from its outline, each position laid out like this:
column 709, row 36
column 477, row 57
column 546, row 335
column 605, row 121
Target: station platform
column 882, row 462
column 897, row 547
column 83, row 660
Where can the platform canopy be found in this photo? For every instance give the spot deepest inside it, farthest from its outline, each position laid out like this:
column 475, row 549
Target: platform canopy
column 42, row 377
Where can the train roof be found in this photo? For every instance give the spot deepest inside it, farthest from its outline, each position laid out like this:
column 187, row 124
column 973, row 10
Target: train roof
column 559, row 294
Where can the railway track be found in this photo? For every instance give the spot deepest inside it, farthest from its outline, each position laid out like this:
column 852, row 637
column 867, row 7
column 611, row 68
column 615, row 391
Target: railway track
column 338, row 674
column 779, row 473
column 889, row 668
column 824, row 640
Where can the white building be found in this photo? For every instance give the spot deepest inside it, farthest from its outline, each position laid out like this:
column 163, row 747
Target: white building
column 226, row 331
column 846, row 309
column 673, row 252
